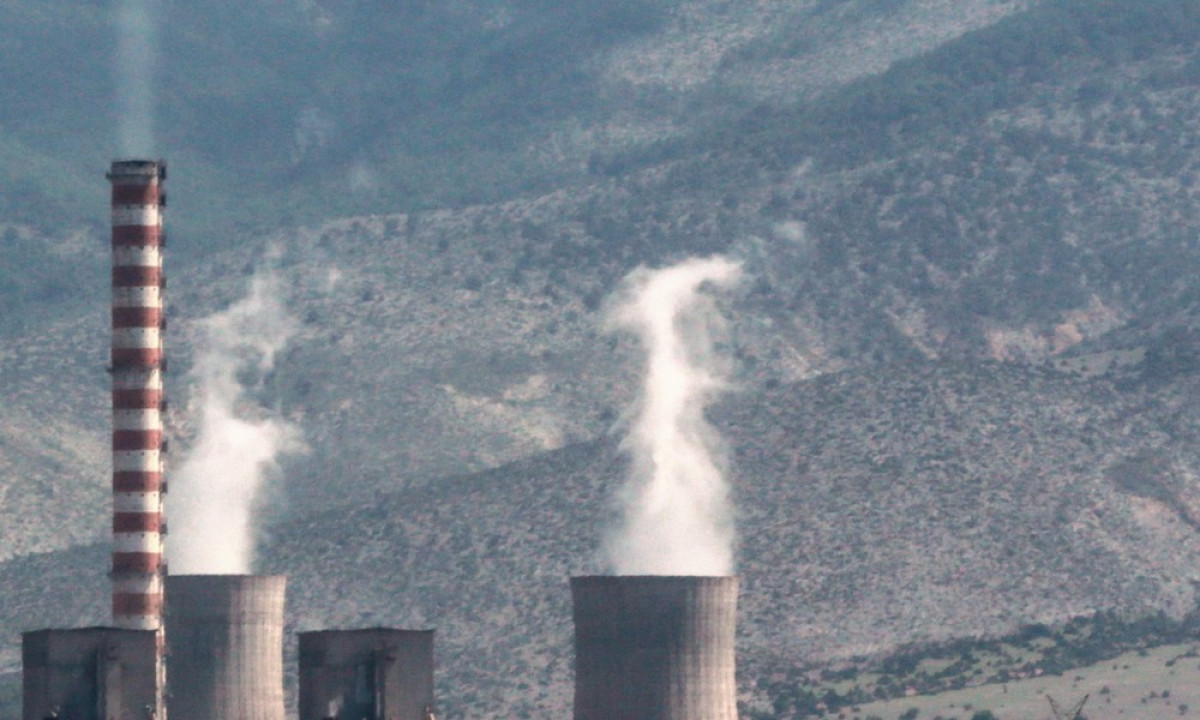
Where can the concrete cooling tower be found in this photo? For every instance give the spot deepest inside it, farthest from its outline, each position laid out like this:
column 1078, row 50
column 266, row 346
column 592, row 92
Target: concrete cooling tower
column 655, row 647
column 369, row 673
column 89, row 674
column 225, row 647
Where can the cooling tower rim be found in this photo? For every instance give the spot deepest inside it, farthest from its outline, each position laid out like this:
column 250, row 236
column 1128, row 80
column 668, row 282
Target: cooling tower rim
column 368, row 631
column 223, row 580
column 235, row 576
column 659, row 575
column 137, row 167
column 660, row 586
column 186, row 585
column 651, row 578
column 132, row 162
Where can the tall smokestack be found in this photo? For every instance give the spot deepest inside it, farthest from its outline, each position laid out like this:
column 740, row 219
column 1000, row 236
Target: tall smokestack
column 225, row 641
column 655, row 647
column 137, row 391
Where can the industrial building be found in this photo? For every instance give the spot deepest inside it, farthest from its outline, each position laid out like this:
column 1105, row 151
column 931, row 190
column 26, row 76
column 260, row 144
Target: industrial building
column 221, row 635
column 372, row 673
column 198, row 647
column 89, row 673
column 225, row 644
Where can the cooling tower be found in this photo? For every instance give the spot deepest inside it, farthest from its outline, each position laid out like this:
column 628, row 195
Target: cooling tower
column 655, row 647
column 370, row 673
column 89, row 674
column 225, row 647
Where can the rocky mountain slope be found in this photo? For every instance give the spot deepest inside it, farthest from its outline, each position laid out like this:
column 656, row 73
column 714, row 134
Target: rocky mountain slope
column 966, row 347
column 906, row 504
column 408, row 304
column 322, row 109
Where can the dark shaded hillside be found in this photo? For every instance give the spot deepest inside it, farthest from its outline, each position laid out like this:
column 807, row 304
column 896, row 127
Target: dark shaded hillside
column 959, row 84
column 1023, row 188
column 277, row 114
column 286, row 100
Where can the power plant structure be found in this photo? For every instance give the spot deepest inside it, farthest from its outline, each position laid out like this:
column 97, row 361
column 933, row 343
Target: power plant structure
column 225, row 644
column 137, row 365
column 210, row 647
column 222, row 635
column 655, row 647
column 119, row 672
column 369, row 673
column 137, row 393
column 89, row 673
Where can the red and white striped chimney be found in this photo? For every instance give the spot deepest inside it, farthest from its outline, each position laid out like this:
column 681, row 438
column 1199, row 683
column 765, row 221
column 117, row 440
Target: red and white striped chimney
column 137, row 389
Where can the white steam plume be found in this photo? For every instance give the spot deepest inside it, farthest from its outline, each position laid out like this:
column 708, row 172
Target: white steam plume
column 135, row 62
column 677, row 514
column 213, row 495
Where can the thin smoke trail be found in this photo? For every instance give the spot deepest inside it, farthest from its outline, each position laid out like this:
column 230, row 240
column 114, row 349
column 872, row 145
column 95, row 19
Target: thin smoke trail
column 214, row 493
column 135, row 61
column 677, row 516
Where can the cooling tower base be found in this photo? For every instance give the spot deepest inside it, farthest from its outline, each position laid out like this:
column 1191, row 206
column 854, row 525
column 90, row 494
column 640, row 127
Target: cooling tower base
column 225, row 647
column 655, row 648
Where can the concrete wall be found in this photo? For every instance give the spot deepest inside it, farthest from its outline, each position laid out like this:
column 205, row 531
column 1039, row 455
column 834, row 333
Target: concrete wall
column 377, row 673
column 655, row 648
column 225, row 647
column 89, row 674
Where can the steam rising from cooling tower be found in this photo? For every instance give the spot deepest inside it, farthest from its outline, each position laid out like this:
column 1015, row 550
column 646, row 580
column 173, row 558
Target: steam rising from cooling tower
column 213, row 498
column 135, row 63
column 677, row 519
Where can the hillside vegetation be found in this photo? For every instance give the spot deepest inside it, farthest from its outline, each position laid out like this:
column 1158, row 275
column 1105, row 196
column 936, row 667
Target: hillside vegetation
column 281, row 113
column 966, row 351
column 875, row 510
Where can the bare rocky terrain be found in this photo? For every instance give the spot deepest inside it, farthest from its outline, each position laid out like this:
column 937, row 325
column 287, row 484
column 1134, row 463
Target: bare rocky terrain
column 908, row 504
column 965, row 352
